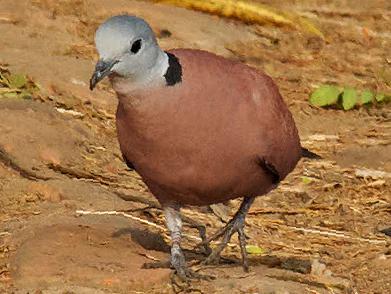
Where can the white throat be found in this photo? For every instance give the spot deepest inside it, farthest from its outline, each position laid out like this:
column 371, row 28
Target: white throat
column 150, row 78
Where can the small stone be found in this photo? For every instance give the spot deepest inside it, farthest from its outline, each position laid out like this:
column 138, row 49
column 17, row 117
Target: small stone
column 31, row 197
column 318, row 268
column 46, row 192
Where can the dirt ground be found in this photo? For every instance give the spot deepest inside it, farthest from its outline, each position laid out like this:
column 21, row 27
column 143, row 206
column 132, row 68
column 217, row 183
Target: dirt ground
column 320, row 230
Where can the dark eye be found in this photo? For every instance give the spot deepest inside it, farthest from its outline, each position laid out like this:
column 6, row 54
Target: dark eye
column 136, row 46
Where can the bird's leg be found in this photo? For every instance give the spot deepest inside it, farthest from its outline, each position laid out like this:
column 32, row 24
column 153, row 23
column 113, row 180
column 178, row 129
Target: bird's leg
column 236, row 224
column 178, row 261
column 177, row 258
column 174, row 225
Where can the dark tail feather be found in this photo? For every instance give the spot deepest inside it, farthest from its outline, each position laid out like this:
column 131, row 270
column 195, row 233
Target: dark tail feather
column 308, row 154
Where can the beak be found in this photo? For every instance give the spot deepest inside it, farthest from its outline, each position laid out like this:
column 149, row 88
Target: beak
column 102, row 70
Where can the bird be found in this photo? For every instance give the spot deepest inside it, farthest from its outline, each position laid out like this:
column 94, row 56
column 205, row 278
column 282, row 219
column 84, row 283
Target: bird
column 199, row 128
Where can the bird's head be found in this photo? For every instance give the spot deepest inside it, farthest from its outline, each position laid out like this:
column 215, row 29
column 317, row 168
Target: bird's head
column 127, row 47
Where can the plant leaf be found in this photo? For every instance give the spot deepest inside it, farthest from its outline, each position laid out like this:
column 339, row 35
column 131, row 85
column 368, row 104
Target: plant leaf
column 380, row 97
column 253, row 249
column 17, row 81
column 325, row 95
column 10, row 95
column 306, row 180
column 366, row 97
column 349, row 98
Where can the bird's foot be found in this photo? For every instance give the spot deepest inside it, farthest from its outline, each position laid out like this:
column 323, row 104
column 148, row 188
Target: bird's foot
column 184, row 273
column 236, row 225
column 181, row 270
column 180, row 285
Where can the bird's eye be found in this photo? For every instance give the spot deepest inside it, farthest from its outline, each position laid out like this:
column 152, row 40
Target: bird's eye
column 136, row 46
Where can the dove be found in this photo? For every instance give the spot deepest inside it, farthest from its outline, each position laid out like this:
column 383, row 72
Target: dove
column 198, row 128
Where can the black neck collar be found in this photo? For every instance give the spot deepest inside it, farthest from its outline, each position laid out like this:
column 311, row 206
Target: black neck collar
column 173, row 74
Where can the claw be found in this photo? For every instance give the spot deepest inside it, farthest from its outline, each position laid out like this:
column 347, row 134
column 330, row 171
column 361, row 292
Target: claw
column 179, row 285
column 184, row 273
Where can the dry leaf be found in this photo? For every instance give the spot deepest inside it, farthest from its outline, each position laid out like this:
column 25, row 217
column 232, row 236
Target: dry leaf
column 247, row 11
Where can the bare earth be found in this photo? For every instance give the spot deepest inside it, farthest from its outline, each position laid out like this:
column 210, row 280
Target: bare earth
column 320, row 230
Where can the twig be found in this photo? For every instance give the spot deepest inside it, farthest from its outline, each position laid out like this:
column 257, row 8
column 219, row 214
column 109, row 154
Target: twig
column 331, row 233
column 140, row 220
column 143, row 221
column 153, row 258
column 338, row 234
column 137, row 197
column 285, row 211
column 319, row 231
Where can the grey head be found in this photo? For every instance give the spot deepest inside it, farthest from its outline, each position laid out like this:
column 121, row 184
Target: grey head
column 128, row 48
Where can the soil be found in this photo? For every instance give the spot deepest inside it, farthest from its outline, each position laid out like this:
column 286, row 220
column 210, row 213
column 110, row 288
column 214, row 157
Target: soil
column 320, row 231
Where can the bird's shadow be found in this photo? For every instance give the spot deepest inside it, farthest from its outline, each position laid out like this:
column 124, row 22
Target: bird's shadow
column 146, row 239
column 154, row 241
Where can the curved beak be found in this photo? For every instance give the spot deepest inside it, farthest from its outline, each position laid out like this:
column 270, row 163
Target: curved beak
column 102, row 70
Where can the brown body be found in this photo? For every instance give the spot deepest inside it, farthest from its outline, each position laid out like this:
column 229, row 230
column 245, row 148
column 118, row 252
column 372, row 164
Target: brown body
column 200, row 141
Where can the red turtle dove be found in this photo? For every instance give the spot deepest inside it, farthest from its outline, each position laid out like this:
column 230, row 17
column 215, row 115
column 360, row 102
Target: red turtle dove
column 198, row 128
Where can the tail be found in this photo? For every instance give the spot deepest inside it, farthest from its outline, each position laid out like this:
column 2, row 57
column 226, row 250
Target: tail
column 308, row 154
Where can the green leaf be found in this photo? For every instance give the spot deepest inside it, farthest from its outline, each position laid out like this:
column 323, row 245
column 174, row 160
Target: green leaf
column 349, row 98
column 10, row 95
column 253, row 249
column 380, row 97
column 17, row 81
column 306, row 180
column 366, row 97
column 325, row 95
